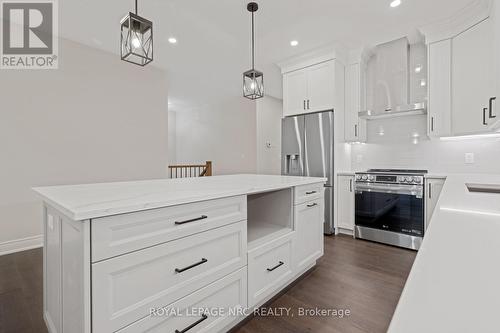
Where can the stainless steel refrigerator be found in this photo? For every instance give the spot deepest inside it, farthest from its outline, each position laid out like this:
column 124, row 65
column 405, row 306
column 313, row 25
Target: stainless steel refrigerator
column 307, row 150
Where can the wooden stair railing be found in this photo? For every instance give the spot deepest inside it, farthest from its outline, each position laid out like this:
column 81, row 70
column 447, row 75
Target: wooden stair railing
column 191, row 170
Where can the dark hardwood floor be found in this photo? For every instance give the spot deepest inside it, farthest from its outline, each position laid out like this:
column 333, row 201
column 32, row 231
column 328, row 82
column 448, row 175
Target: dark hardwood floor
column 363, row 277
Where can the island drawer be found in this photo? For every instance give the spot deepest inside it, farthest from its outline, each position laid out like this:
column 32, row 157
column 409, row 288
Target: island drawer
column 211, row 308
column 269, row 269
column 308, row 192
column 120, row 234
column 126, row 287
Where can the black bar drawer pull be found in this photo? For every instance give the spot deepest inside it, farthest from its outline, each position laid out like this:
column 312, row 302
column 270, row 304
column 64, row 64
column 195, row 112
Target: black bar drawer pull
column 203, row 317
column 192, row 220
column 491, row 107
column 312, row 205
column 278, row 265
column 484, row 116
column 180, row 270
column 311, row 192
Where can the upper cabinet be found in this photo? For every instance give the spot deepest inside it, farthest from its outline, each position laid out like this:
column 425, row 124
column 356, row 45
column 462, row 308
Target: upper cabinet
column 439, row 106
column 354, row 126
column 295, row 87
column 464, row 71
column 313, row 82
column 472, row 79
column 309, row 89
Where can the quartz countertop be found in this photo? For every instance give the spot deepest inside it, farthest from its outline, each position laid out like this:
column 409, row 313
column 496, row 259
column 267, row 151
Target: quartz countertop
column 454, row 284
column 87, row 201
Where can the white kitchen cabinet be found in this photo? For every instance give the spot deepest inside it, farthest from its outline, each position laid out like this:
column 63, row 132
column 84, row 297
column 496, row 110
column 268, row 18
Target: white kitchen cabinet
column 494, row 116
column 439, row 108
column 433, row 187
column 321, row 87
column 309, row 219
column 472, row 78
column 109, row 261
column 295, row 92
column 354, row 127
column 345, row 203
column 310, row 89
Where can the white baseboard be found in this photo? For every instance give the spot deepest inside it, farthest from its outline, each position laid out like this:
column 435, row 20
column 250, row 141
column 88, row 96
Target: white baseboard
column 22, row 244
column 345, row 231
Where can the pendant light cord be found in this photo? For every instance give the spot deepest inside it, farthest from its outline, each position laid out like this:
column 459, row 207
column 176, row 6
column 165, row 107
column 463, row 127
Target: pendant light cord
column 253, row 45
column 136, row 7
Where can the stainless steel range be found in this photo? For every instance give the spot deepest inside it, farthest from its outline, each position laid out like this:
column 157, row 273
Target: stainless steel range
column 390, row 206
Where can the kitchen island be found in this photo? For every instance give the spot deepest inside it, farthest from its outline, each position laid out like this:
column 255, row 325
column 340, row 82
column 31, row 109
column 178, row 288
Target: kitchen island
column 171, row 255
column 454, row 282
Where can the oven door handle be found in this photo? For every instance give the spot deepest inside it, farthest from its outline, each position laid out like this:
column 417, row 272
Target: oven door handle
column 413, row 190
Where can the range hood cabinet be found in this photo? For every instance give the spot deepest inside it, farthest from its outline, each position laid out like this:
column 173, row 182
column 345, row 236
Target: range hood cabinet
column 396, row 80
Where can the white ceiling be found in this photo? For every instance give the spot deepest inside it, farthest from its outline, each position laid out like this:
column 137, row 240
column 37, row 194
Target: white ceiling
column 214, row 35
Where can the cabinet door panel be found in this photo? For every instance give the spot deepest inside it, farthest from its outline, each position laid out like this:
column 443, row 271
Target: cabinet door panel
column 309, row 218
column 433, row 188
column 472, row 78
column 294, row 92
column 321, row 87
column 346, row 202
column 495, row 16
column 440, row 88
column 352, row 103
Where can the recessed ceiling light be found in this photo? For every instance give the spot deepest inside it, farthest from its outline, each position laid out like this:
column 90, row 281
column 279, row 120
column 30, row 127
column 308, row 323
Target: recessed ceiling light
column 172, row 40
column 395, row 3
column 294, row 43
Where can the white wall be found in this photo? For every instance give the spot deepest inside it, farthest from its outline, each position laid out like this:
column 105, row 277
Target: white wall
column 172, row 137
column 404, row 145
column 269, row 111
column 223, row 133
column 94, row 119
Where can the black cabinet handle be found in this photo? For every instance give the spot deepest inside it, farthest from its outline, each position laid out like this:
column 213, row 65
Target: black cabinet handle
column 430, row 191
column 278, row 265
column 180, row 270
column 192, row 220
column 491, row 107
column 203, row 317
column 308, row 105
column 484, row 116
column 310, row 192
column 350, row 185
column 312, row 205
column 304, row 104
column 356, row 130
column 432, row 124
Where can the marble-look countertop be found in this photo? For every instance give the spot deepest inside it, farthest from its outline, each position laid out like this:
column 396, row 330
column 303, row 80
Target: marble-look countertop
column 346, row 173
column 454, row 284
column 87, row 201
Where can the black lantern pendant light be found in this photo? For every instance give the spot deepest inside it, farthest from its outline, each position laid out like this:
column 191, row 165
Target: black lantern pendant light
column 253, row 80
column 136, row 39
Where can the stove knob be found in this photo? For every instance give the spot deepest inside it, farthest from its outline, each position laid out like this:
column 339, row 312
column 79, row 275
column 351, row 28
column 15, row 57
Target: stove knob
column 416, row 180
column 364, row 177
column 358, row 177
column 406, row 179
column 371, row 178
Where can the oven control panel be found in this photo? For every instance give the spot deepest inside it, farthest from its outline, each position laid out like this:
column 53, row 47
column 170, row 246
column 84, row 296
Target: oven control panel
column 390, row 179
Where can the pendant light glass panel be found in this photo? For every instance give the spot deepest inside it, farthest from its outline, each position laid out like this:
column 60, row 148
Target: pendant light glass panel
column 136, row 40
column 253, row 84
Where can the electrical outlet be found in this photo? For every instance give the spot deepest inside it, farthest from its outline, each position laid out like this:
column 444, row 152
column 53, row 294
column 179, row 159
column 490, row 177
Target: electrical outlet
column 469, row 158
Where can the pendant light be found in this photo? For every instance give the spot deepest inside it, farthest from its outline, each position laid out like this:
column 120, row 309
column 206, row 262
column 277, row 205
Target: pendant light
column 253, row 80
column 136, row 39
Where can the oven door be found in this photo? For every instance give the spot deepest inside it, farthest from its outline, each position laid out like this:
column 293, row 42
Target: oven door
column 391, row 207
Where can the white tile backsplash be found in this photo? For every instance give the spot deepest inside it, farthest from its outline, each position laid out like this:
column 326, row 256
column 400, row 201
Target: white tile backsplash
column 404, row 144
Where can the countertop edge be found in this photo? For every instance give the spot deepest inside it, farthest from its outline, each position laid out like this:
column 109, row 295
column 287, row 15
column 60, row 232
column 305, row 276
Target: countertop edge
column 100, row 213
